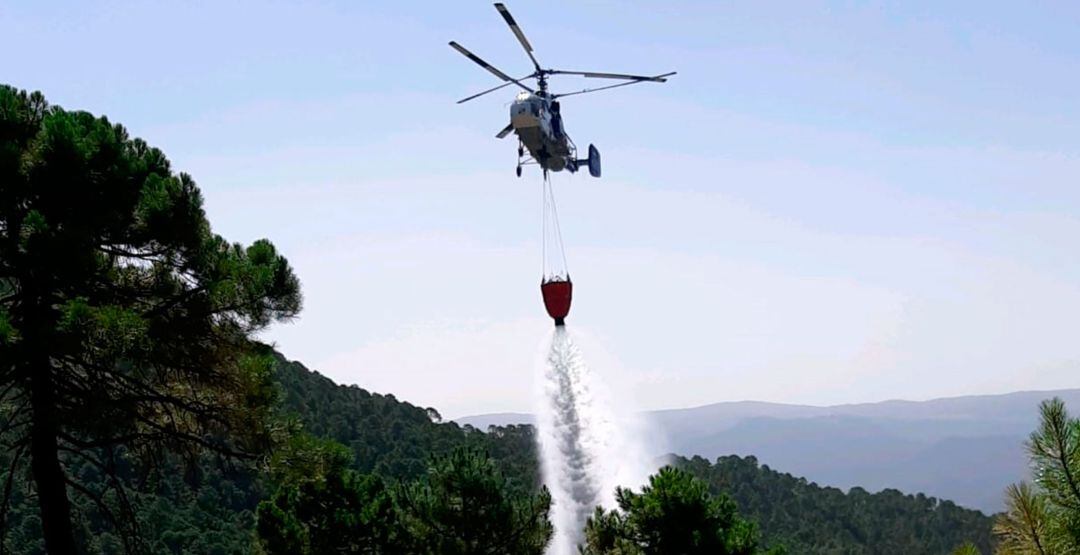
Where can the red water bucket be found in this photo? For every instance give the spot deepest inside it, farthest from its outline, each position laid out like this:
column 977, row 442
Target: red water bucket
column 557, row 294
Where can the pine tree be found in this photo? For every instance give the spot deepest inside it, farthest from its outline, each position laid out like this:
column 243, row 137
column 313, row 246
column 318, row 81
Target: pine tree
column 1044, row 517
column 125, row 323
column 464, row 506
column 674, row 513
column 322, row 506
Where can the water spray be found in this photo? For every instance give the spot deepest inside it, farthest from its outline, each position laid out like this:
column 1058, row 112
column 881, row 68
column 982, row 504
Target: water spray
column 586, row 451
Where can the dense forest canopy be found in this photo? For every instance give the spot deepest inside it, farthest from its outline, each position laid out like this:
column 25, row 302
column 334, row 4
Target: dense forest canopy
column 806, row 517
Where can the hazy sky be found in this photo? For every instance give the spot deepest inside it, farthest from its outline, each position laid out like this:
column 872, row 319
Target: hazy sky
column 832, row 202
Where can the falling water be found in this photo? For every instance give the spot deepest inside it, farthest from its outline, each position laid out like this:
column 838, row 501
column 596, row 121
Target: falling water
column 584, row 453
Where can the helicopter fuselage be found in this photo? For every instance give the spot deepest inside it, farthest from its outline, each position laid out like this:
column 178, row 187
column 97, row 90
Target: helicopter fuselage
column 534, row 114
column 538, row 124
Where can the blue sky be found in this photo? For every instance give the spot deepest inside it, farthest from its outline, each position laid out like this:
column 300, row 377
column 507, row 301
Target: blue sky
column 831, row 202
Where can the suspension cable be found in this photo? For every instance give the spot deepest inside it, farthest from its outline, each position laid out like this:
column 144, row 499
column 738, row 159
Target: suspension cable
column 551, row 211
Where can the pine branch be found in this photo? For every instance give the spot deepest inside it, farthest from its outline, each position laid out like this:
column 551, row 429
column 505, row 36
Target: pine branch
column 103, row 507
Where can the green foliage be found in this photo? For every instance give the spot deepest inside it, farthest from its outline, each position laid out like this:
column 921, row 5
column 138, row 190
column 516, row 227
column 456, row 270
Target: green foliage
column 461, row 506
column 675, row 513
column 306, row 458
column 464, row 506
column 513, row 448
column 388, row 437
column 125, row 323
column 967, row 549
column 322, row 506
column 208, row 506
column 177, row 508
column 807, row 518
column 393, row 438
column 1044, row 518
column 206, row 511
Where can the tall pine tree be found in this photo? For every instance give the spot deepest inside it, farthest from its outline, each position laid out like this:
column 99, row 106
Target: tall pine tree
column 125, row 323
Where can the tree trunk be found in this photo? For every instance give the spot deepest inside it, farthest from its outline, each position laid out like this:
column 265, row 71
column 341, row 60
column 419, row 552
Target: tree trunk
column 45, row 462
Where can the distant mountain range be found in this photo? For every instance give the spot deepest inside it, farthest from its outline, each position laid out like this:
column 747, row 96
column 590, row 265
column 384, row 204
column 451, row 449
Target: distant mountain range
column 967, row 449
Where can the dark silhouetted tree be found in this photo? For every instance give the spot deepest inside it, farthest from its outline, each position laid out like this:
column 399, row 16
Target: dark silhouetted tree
column 125, row 323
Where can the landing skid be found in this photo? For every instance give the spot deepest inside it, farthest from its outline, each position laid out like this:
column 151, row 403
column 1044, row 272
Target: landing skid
column 524, row 159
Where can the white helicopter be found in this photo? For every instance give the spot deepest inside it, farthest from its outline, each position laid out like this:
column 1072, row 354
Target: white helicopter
column 535, row 114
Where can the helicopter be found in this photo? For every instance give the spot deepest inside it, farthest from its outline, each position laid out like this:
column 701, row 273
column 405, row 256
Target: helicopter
column 535, row 114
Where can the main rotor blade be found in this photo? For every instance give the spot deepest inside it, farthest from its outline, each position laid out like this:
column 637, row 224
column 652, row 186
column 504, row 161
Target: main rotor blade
column 480, row 62
column 505, row 131
column 517, row 33
column 597, row 75
column 635, row 81
column 492, row 89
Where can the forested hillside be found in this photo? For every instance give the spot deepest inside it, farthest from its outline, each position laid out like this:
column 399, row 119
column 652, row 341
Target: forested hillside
column 394, row 438
column 209, row 508
column 807, row 518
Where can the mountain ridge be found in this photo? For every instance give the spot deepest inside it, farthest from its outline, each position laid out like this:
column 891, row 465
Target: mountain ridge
column 1046, row 393
column 898, row 444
